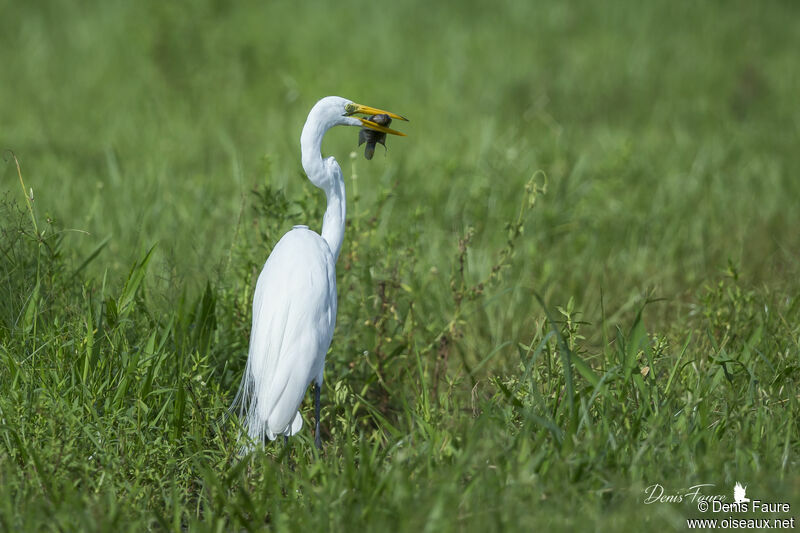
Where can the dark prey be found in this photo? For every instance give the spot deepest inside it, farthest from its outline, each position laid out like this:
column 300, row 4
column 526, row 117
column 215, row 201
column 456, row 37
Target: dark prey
column 372, row 137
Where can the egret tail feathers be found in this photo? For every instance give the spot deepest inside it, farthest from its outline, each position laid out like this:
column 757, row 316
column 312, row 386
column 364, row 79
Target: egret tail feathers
column 297, row 424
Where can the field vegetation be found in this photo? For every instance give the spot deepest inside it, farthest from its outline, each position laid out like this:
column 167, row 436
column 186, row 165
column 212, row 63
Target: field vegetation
column 577, row 277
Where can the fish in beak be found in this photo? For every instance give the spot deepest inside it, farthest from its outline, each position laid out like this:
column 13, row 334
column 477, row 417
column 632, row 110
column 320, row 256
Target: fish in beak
column 373, row 137
column 374, row 128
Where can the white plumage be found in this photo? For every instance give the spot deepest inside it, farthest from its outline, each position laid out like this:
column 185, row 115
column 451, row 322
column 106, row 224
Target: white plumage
column 294, row 306
column 294, row 312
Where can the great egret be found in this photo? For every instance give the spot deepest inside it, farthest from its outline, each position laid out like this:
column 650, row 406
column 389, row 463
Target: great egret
column 294, row 306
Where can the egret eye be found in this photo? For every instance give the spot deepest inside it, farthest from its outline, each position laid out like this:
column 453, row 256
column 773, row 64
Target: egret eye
column 349, row 109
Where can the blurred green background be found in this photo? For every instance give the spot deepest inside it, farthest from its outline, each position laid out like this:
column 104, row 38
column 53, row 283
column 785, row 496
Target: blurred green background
column 668, row 132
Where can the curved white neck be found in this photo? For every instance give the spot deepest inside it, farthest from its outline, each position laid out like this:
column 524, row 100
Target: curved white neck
column 334, row 218
column 327, row 176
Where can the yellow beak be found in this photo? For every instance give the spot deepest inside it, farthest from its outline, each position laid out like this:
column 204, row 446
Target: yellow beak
column 367, row 110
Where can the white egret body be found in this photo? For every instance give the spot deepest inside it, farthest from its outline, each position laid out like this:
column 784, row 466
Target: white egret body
column 294, row 306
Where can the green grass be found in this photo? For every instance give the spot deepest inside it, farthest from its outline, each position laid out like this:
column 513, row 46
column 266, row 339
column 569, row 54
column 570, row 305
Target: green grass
column 575, row 278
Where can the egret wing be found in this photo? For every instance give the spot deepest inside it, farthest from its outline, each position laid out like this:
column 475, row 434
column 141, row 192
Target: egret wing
column 294, row 312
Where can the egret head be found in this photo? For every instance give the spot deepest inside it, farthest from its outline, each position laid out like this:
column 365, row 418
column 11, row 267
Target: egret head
column 329, row 112
column 337, row 111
